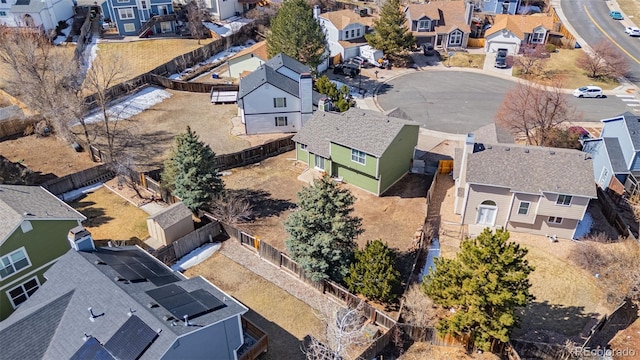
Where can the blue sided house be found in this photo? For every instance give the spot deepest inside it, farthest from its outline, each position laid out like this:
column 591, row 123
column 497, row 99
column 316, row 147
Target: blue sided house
column 140, row 17
column 616, row 154
column 500, row 6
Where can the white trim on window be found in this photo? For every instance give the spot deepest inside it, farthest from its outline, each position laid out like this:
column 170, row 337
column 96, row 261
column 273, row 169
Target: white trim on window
column 455, row 38
column 282, row 121
column 126, row 13
column 555, row 220
column 564, row 200
column 486, row 215
column 304, row 147
column 524, row 205
column 14, row 262
column 27, row 289
column 129, row 27
column 318, row 162
column 538, row 37
column 3, row 13
column 279, row 102
column 358, row 156
column 424, row 24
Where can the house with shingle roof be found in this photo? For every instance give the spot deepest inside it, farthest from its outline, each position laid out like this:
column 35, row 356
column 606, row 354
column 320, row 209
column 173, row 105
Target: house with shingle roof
column 444, row 24
column 512, row 32
column 361, row 147
column 248, row 59
column 616, row 154
column 278, row 97
column 44, row 14
column 344, row 31
column 122, row 303
column 33, row 234
column 529, row 189
column 500, row 6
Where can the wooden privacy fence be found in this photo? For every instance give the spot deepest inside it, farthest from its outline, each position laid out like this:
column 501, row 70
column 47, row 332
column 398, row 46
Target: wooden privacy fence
column 610, row 212
column 182, row 85
column 475, row 43
column 255, row 154
column 262, row 340
column 169, row 254
column 13, row 123
column 80, row 179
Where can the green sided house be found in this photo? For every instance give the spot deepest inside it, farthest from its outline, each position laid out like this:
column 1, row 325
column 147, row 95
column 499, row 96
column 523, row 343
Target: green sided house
column 33, row 234
column 360, row 147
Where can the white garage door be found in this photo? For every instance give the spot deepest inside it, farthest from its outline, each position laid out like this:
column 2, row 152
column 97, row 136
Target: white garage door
column 495, row 45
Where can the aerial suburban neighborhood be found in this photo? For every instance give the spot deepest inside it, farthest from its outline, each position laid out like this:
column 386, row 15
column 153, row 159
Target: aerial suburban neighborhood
column 341, row 179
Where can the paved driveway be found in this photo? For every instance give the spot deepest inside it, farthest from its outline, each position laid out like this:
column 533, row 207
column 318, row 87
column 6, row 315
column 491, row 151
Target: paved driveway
column 460, row 102
column 490, row 65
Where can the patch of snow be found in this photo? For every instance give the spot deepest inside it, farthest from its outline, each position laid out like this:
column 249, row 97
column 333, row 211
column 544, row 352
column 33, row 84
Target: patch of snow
column 89, row 54
column 74, row 194
column 223, row 55
column 131, row 105
column 230, row 27
column 64, row 33
column 583, row 227
column 432, row 253
column 196, row 256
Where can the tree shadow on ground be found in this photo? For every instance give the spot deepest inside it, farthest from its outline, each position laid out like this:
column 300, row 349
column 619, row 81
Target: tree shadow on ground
column 96, row 216
column 282, row 345
column 263, row 205
column 553, row 323
column 410, row 186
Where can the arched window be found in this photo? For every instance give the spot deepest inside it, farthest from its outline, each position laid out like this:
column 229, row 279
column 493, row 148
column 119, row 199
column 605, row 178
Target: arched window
column 487, row 211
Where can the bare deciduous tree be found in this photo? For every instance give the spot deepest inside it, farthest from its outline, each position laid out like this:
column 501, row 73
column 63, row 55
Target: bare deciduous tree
column 231, row 208
column 196, row 14
column 604, row 61
column 532, row 60
column 105, row 72
column 46, row 78
column 419, row 310
column 534, row 110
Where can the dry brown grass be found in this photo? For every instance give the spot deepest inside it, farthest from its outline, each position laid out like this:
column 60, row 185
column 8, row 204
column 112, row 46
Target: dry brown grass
column 422, row 351
column 284, row 318
column 462, row 59
column 110, row 217
column 145, row 55
column 631, row 9
column 562, row 66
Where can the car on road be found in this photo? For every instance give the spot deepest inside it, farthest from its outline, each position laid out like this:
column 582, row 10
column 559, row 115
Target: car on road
column 428, row 50
column 589, row 91
column 349, row 70
column 632, row 31
column 501, row 58
column 616, row 15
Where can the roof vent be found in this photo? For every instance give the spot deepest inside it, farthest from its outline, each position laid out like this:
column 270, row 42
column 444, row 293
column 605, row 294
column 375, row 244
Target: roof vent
column 168, row 318
column 507, row 149
column 100, row 262
column 152, row 305
column 552, row 152
column 26, row 213
column 526, row 151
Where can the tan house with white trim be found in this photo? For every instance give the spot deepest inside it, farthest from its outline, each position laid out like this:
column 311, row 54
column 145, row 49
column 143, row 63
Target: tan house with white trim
column 529, row 189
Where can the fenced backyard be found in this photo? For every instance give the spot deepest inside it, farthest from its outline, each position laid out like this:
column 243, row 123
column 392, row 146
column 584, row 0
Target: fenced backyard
column 169, row 254
column 96, row 174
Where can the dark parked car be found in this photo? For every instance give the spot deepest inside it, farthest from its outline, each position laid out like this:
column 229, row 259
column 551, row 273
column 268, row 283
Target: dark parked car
column 427, row 49
column 501, row 58
column 350, row 70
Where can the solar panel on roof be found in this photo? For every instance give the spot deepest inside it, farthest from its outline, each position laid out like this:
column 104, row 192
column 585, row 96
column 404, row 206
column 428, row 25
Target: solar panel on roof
column 191, row 309
column 176, row 300
column 92, row 349
column 208, row 300
column 131, row 340
column 127, row 273
column 134, row 266
column 164, row 280
column 165, row 291
column 180, row 302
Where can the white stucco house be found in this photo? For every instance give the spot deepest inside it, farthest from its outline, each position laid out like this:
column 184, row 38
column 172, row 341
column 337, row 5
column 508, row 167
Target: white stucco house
column 223, row 9
column 511, row 32
column 345, row 31
column 277, row 97
column 43, row 14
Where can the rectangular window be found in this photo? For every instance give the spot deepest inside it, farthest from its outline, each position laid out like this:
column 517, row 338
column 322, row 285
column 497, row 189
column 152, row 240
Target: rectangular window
column 281, row 121
column 523, row 209
column 21, row 293
column 358, row 32
column 13, row 262
column 129, row 27
column 279, row 102
column 126, row 13
column 4, row 2
column 358, row 156
column 353, row 33
column 303, row 147
column 423, row 24
column 143, row 4
column 537, row 37
column 123, row 1
column 165, row 26
column 564, row 200
column 555, row 220
column 2, row 13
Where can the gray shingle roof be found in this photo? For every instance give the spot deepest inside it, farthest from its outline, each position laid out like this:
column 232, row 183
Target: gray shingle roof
column 633, row 124
column 493, row 134
column 21, row 202
column 171, row 215
column 616, row 157
column 364, row 130
column 281, row 60
column 533, row 169
column 265, row 74
column 94, row 285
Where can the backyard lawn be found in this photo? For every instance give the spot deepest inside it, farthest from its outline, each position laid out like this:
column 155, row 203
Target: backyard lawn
column 284, row 318
column 110, row 217
column 562, row 66
column 145, row 55
column 631, row 9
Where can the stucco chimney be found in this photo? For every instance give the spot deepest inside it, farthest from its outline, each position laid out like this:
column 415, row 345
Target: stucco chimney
column 468, row 11
column 316, row 11
column 80, row 239
column 306, row 97
column 469, row 143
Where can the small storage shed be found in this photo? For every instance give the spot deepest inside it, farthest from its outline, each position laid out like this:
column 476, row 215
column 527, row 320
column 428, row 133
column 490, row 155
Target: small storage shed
column 171, row 223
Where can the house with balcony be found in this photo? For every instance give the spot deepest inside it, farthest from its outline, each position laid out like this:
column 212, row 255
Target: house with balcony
column 444, row 24
column 344, row 31
column 512, row 32
column 43, row 14
column 499, row 6
column 33, row 236
column 531, row 189
column 364, row 148
column 122, row 303
column 616, row 154
column 140, row 17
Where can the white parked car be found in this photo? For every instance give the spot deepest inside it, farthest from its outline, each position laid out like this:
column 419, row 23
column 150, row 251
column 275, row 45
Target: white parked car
column 588, row 92
column 632, row 31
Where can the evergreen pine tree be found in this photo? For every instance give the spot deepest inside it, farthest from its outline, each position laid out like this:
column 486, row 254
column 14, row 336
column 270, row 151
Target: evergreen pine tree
column 193, row 171
column 391, row 35
column 340, row 97
column 373, row 273
column 322, row 230
column 296, row 33
column 486, row 282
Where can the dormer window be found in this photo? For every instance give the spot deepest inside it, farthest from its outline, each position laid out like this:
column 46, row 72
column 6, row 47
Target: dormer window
column 538, row 36
column 564, row 200
column 424, row 24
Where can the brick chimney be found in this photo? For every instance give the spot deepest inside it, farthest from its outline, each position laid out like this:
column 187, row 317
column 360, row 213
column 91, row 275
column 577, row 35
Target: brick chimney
column 306, row 97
